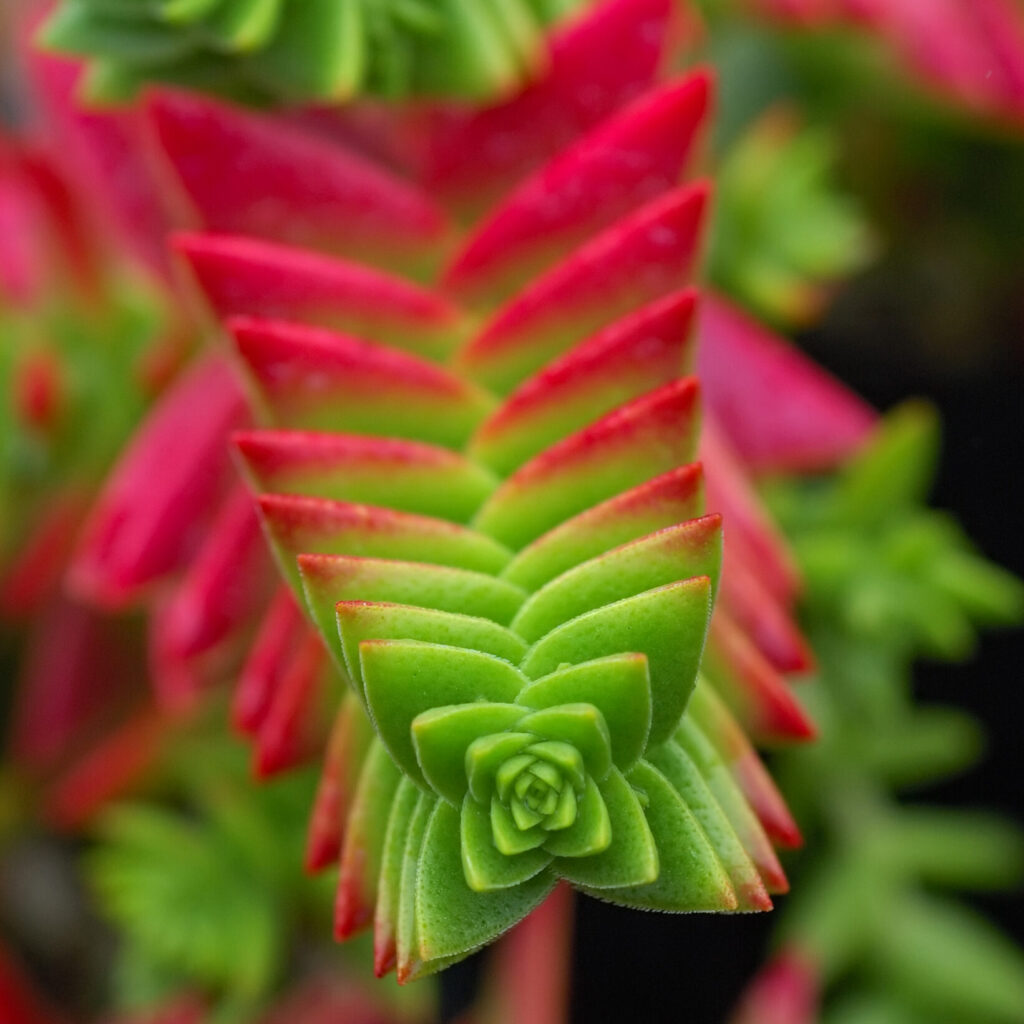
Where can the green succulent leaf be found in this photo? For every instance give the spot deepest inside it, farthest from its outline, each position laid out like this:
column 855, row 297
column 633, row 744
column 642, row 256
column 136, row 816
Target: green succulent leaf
column 407, row 950
column 389, row 887
column 591, row 831
column 618, row 686
column 678, row 553
column 630, row 856
column 668, row 625
column 511, row 836
column 365, row 620
column 452, row 918
column 581, row 726
column 405, row 678
column 486, row 755
column 895, row 471
column 484, row 865
column 672, row 761
column 366, row 835
column 443, row 735
column 691, row 877
column 241, row 26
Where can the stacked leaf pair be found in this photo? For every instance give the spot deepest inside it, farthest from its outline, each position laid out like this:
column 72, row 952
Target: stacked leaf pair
column 178, row 536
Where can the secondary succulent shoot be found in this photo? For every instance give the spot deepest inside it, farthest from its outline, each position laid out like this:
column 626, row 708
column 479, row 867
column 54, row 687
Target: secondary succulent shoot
column 324, row 51
column 870, row 932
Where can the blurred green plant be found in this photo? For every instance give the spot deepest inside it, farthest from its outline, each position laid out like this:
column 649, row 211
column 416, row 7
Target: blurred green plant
column 889, row 580
column 205, row 886
column 783, row 233
column 307, row 50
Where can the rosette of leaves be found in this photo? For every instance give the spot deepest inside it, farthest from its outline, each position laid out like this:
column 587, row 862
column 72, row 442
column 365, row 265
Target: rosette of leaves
column 325, row 51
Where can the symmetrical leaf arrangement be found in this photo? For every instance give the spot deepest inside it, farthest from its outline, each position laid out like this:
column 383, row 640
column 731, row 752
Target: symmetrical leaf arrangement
column 492, row 514
column 481, row 490
column 312, row 50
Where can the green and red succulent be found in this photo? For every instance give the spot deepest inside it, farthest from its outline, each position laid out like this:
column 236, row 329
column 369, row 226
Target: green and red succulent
column 495, row 524
column 458, row 382
column 475, row 463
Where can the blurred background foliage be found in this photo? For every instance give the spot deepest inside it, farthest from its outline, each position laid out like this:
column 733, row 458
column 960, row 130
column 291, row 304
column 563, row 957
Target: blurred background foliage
column 888, row 581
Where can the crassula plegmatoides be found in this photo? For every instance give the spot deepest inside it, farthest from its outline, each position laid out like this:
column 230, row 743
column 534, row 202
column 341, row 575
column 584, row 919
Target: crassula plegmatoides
column 484, row 495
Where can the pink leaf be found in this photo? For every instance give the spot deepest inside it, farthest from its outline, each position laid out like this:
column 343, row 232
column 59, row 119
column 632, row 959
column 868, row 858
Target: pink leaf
column 640, row 258
column 472, row 156
column 279, row 633
column 246, row 277
column 627, row 161
column 320, row 380
column 151, row 514
column 244, row 173
column 785, row 991
column 779, row 410
column 757, row 693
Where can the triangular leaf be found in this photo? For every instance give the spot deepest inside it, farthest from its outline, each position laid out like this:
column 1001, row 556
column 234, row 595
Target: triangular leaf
column 404, row 678
column 668, row 625
column 632, row 856
column 451, row 918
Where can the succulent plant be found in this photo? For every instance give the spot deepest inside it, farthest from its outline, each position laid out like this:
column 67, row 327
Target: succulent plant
column 526, row 631
column 487, row 484
column 484, row 496
column 458, row 380
column 312, row 50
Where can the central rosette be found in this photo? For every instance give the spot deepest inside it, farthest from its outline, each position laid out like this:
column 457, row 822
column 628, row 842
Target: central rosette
column 536, row 786
column 537, row 791
column 531, row 792
column 540, row 781
column 532, row 777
